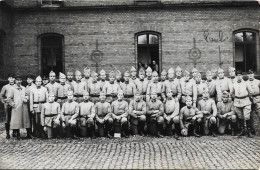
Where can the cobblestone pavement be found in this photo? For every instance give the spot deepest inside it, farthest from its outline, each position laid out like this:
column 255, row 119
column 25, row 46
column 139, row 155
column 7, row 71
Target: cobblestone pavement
column 224, row 152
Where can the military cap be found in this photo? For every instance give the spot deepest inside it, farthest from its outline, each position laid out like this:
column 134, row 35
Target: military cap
column 198, row 74
column 250, row 72
column 52, row 73
column 132, row 69
column 77, row 72
column 163, row 72
column 11, row 75
column 93, row 74
column 186, row 73
column 178, row 69
column 154, row 73
column 127, row 73
column 170, row 71
column 208, row 72
column 86, row 69
column 239, row 72
column 118, row 72
column 141, row 71
column 188, row 98
column 70, row 72
column 39, row 78
column 62, row 76
column 111, row 74
column 231, row 69
column 102, row 72
column 194, row 70
column 225, row 93
column 149, row 70
column 18, row 77
column 220, row 70
column 45, row 78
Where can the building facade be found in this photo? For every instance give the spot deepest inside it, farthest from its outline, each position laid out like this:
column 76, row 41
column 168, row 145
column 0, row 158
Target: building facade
column 41, row 35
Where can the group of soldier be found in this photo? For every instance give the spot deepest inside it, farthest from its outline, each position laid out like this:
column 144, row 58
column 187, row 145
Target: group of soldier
column 176, row 103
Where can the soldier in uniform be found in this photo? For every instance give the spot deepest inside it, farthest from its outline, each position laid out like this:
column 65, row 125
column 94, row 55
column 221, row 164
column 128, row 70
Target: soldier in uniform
column 69, row 115
column 163, row 76
column 137, row 114
column 213, row 87
column 69, row 78
column 87, row 77
column 178, row 72
column 104, row 120
column 94, row 88
column 7, row 108
column 226, row 114
column 155, row 111
column 79, row 86
column 224, row 82
column 209, row 109
column 133, row 75
column 118, row 77
column 52, row 86
column 149, row 73
column 194, row 72
column 201, row 86
column 232, row 74
column 119, row 113
column 214, row 71
column 30, row 83
column 255, row 84
column 242, row 104
column 128, row 87
column 63, row 88
column 171, row 114
column 155, row 85
column 20, row 113
column 102, row 75
column 38, row 97
column 111, row 89
column 50, row 116
column 173, row 85
column 87, row 116
column 190, row 119
column 45, row 81
column 141, row 85
column 188, row 88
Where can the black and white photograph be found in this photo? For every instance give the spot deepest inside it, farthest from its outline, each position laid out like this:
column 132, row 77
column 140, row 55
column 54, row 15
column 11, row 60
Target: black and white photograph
column 129, row 84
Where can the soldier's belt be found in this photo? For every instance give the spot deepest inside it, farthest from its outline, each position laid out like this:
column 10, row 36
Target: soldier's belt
column 68, row 114
column 128, row 95
column 187, row 95
column 94, row 95
column 111, row 95
column 78, row 95
column 52, row 115
column 254, row 95
column 62, row 98
column 83, row 116
column 200, row 95
column 243, row 97
column 144, row 93
column 39, row 102
column 174, row 95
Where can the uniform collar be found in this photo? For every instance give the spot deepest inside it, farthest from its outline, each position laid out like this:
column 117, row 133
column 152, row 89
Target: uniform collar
column 126, row 82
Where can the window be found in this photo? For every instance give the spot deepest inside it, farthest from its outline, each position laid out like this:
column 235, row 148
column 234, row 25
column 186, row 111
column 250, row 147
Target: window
column 51, row 53
column 245, row 51
column 148, row 49
column 51, row 3
column 147, row 2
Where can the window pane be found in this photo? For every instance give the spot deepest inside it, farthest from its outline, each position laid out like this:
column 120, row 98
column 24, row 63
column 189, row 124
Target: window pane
column 153, row 39
column 239, row 37
column 250, row 36
column 142, row 39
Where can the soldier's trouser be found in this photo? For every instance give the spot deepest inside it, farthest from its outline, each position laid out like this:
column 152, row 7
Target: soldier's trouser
column 243, row 112
column 173, row 122
column 37, row 130
column 86, row 124
column 107, row 125
column 8, row 111
column 137, row 123
column 223, row 123
column 208, row 123
column 154, row 124
column 120, row 125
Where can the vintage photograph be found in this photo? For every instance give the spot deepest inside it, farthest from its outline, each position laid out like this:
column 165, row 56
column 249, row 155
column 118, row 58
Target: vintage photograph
column 129, row 84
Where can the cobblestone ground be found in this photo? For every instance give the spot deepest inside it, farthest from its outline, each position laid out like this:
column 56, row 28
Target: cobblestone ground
column 224, row 152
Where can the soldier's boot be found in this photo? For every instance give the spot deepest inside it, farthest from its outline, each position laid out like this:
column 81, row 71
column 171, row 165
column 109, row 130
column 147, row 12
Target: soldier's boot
column 249, row 133
column 109, row 129
column 241, row 124
column 141, row 128
column 124, row 130
column 169, row 129
column 213, row 129
column 160, row 130
column 75, row 133
column 176, row 131
column 29, row 133
column 18, row 136
column 233, row 128
column 69, row 132
column 7, row 129
column 14, row 133
column 195, row 129
column 93, row 132
column 134, row 129
column 43, row 134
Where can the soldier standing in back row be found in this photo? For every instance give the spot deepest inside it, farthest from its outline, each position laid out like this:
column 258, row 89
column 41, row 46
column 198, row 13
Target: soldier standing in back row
column 94, row 88
column 224, row 82
column 128, row 87
column 87, row 77
column 201, row 86
column 111, row 88
column 141, row 85
column 69, row 78
column 157, row 86
column 213, row 87
column 79, row 86
column 178, row 72
column 133, row 77
column 7, row 108
column 173, row 85
column 102, row 75
column 52, row 86
column 63, row 89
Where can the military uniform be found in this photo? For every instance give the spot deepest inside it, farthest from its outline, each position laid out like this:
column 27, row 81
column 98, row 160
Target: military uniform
column 79, row 86
column 201, row 86
column 69, row 115
column 133, row 78
column 209, row 109
column 87, row 118
column 63, row 89
column 94, row 88
column 173, row 85
column 141, row 84
column 119, row 109
column 50, row 117
column 111, row 88
column 155, row 85
column 52, row 86
column 102, row 80
column 148, row 78
column 69, row 78
column 104, row 120
column 129, row 88
column 38, row 97
column 178, row 72
column 7, row 108
column 155, row 110
column 87, row 79
column 225, row 83
column 213, row 87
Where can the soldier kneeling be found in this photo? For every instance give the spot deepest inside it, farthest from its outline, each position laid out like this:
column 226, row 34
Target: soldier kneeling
column 86, row 116
column 69, row 114
column 226, row 114
column 103, row 116
column 190, row 119
column 50, row 116
column 171, row 115
column 137, row 112
column 119, row 114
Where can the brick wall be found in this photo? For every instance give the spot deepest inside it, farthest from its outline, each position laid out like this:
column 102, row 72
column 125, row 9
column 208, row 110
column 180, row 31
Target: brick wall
column 115, row 31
